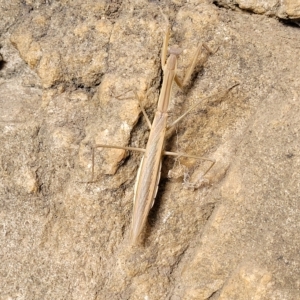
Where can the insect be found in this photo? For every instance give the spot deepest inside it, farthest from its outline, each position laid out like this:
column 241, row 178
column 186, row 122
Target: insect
column 148, row 175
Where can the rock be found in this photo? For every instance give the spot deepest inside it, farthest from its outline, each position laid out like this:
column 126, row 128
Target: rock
column 69, row 79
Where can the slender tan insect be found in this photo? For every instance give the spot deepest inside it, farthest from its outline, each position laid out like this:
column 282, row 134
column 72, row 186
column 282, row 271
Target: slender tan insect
column 148, row 175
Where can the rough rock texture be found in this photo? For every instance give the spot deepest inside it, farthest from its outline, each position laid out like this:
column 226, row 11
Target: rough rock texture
column 285, row 9
column 63, row 66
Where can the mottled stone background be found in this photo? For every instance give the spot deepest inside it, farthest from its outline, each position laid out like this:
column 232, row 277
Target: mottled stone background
column 64, row 63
